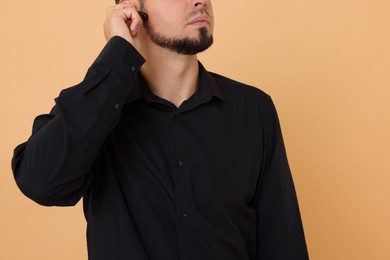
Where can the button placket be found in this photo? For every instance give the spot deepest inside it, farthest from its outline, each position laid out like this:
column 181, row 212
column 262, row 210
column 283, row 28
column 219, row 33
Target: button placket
column 183, row 203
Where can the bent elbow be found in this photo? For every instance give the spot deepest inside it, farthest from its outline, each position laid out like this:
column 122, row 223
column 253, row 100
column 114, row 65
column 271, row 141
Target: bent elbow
column 45, row 194
column 47, row 186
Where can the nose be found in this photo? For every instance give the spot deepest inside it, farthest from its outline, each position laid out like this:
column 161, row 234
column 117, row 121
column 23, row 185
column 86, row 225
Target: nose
column 201, row 3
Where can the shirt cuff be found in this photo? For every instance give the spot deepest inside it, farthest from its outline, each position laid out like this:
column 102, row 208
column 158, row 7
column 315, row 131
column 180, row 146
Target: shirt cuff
column 122, row 57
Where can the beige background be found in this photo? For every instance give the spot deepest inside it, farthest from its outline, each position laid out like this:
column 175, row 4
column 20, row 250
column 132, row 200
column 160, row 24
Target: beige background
column 325, row 63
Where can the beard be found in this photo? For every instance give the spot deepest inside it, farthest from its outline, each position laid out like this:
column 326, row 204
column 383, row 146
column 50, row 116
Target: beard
column 186, row 45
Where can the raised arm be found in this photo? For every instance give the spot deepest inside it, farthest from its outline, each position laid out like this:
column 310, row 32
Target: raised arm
column 53, row 166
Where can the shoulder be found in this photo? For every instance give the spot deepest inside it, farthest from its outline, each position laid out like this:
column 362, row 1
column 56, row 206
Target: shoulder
column 255, row 104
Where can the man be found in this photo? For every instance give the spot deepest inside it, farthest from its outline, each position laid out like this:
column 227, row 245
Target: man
column 173, row 162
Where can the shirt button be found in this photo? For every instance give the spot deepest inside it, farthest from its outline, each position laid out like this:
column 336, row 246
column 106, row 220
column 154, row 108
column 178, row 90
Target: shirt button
column 180, row 163
column 132, row 68
column 183, row 214
column 117, row 106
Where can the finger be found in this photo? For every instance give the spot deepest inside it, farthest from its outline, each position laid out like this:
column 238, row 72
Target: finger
column 130, row 15
column 124, row 5
column 136, row 22
column 118, row 6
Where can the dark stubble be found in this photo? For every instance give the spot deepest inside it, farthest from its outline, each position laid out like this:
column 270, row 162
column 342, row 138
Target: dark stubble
column 186, row 45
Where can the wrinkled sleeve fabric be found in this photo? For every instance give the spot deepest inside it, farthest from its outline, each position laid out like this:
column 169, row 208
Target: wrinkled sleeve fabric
column 280, row 234
column 53, row 166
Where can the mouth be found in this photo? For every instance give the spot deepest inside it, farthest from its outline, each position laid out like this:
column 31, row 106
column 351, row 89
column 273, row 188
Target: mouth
column 202, row 20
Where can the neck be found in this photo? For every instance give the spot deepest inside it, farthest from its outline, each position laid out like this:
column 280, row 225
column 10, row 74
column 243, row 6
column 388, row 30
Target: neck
column 169, row 75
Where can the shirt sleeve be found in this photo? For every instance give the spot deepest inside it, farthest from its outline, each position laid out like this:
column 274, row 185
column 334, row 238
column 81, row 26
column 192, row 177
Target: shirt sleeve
column 280, row 234
column 53, row 166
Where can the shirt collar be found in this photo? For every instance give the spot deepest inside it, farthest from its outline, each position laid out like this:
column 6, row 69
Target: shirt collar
column 207, row 88
column 207, row 84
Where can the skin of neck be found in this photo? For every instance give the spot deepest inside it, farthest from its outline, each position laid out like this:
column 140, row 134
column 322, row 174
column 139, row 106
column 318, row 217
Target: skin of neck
column 169, row 75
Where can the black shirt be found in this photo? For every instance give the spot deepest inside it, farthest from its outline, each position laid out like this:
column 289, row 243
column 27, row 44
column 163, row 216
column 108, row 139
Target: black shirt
column 208, row 180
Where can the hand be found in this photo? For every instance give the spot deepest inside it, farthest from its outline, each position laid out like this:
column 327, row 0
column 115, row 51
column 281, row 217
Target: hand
column 123, row 20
